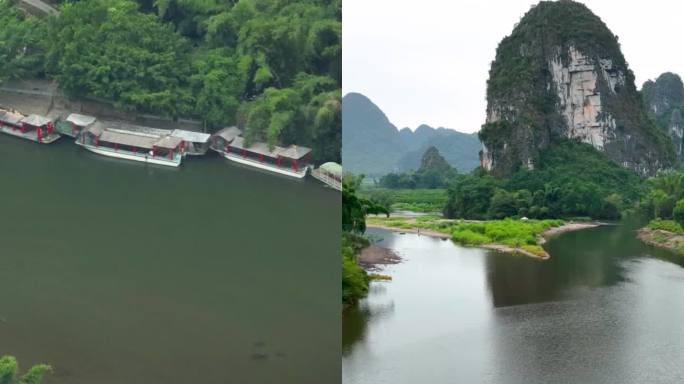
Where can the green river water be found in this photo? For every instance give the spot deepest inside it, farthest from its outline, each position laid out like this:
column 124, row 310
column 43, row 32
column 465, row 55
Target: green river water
column 119, row 272
column 604, row 309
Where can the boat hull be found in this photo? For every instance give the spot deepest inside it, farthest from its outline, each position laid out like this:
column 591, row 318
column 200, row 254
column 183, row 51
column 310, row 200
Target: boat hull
column 31, row 136
column 129, row 156
column 267, row 167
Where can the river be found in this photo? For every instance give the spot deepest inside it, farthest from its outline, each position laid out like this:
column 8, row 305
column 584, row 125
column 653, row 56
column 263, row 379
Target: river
column 120, row 272
column 604, row 309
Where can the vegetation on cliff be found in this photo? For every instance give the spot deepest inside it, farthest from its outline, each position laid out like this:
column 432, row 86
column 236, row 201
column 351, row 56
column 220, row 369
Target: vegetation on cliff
column 527, row 113
column 664, row 99
column 573, row 180
column 270, row 66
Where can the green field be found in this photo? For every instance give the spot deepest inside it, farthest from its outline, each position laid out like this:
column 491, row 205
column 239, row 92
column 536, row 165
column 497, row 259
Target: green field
column 416, row 200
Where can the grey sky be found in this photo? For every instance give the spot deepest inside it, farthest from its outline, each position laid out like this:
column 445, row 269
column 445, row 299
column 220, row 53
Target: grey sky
column 428, row 61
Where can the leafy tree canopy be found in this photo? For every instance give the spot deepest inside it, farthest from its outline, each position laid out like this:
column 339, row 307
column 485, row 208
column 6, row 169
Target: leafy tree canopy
column 273, row 67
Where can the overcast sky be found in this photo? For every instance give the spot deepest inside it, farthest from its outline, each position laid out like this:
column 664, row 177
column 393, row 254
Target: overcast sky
column 428, row 61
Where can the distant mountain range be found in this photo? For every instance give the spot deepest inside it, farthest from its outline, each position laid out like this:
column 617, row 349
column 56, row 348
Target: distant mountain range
column 372, row 145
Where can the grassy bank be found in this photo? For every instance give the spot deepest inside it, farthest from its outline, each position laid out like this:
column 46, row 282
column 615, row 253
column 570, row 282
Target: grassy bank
column 667, row 234
column 416, row 200
column 516, row 235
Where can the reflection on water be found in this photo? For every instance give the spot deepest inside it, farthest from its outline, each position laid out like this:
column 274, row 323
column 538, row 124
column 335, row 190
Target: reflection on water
column 121, row 272
column 605, row 308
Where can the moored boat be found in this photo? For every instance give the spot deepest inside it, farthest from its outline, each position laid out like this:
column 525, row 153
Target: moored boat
column 293, row 161
column 147, row 148
column 33, row 127
column 329, row 173
column 74, row 124
column 197, row 143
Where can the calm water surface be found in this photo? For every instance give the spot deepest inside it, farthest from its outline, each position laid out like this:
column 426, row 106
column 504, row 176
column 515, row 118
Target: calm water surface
column 120, row 272
column 605, row 309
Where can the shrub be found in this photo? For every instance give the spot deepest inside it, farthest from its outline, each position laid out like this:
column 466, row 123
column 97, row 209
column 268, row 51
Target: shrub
column 678, row 212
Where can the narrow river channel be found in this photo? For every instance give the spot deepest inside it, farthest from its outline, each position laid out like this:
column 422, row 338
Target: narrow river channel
column 604, row 309
column 120, row 272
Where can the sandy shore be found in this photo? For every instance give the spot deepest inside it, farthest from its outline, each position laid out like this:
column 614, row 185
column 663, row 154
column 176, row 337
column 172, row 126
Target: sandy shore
column 374, row 255
column 541, row 239
column 662, row 239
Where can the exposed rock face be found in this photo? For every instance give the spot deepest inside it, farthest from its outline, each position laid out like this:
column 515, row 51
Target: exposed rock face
column 561, row 74
column 664, row 99
column 676, row 130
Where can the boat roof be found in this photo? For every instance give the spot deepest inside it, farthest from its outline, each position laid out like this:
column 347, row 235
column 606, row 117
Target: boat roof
column 295, row 152
column 332, row 167
column 96, row 129
column 260, row 148
column 10, row 117
column 191, row 136
column 169, row 142
column 36, row 120
column 81, row 120
column 133, row 139
column 127, row 127
column 229, row 133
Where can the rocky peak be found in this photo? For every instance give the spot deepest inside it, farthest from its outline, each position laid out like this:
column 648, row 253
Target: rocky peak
column 560, row 74
column 664, row 94
column 433, row 160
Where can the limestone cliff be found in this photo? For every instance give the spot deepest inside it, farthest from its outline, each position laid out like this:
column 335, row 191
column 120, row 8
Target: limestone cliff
column 664, row 99
column 560, row 74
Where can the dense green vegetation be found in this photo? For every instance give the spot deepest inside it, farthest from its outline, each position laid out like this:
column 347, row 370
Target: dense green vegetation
column 272, row 67
column 9, row 372
column 415, row 200
column 573, row 180
column 354, row 210
column 666, row 225
column 521, row 234
column 434, row 172
column 22, row 44
column 354, row 279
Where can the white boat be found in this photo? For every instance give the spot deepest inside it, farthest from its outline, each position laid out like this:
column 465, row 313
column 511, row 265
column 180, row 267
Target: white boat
column 291, row 161
column 135, row 146
column 74, row 124
column 330, row 173
column 36, row 128
column 300, row 174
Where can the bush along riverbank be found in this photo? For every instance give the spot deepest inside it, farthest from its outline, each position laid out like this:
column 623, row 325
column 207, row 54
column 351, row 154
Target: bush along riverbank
column 524, row 237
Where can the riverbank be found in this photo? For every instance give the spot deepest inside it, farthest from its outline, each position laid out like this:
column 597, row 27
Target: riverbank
column 664, row 234
column 524, row 237
column 374, row 255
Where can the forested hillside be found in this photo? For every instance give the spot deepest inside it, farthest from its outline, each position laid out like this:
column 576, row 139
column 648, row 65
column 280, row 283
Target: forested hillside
column 271, row 66
column 373, row 146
